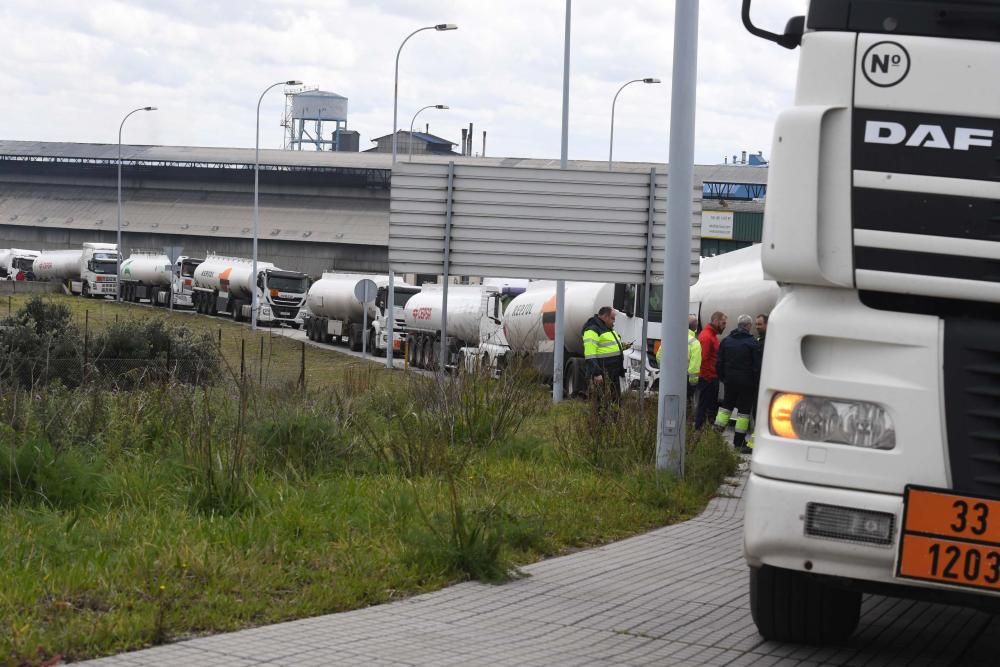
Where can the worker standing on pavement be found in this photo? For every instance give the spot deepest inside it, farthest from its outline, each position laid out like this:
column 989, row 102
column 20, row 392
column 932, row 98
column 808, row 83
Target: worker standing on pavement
column 739, row 371
column 708, row 379
column 694, row 358
column 603, row 351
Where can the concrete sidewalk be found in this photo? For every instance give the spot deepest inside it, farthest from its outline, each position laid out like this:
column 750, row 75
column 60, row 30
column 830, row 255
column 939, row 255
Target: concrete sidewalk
column 674, row 596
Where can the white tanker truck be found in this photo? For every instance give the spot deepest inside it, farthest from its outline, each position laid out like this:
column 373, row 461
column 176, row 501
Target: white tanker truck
column 150, row 275
column 474, row 313
column 90, row 271
column 333, row 311
column 16, row 260
column 224, row 284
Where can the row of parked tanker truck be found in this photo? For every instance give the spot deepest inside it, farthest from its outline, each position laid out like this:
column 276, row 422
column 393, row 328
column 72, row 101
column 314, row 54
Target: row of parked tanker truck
column 489, row 325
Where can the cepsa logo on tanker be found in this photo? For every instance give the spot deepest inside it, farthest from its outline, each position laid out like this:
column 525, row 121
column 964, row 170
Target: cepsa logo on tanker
column 421, row 313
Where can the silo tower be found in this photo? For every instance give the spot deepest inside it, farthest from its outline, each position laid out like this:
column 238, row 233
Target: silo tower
column 307, row 111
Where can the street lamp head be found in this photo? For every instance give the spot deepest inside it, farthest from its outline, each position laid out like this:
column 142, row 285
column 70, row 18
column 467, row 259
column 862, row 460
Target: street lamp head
column 446, row 26
column 293, row 82
column 651, row 80
column 149, row 108
column 441, row 106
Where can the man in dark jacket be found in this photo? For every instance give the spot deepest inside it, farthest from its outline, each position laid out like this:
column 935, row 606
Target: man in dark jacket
column 738, row 368
column 603, row 351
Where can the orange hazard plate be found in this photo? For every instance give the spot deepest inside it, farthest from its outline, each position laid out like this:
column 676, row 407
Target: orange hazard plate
column 950, row 538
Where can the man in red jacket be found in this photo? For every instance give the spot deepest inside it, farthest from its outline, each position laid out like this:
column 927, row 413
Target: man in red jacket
column 708, row 378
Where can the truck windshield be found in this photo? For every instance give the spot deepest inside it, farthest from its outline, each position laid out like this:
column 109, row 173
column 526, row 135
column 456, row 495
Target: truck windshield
column 283, row 284
column 187, row 268
column 103, row 266
column 23, row 263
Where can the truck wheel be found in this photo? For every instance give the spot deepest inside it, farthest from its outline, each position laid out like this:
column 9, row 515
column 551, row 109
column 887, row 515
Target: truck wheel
column 411, row 350
column 294, row 325
column 85, row 290
column 371, row 345
column 354, row 338
column 236, row 306
column 571, row 380
column 790, row 606
column 430, row 353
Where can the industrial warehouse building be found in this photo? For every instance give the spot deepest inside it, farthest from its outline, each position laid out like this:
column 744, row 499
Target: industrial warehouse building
column 319, row 211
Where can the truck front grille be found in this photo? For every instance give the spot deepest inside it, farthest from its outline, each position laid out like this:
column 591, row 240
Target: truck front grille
column 972, row 403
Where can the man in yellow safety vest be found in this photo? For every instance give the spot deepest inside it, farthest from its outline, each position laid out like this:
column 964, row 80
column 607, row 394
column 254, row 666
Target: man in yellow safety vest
column 603, row 351
column 694, row 357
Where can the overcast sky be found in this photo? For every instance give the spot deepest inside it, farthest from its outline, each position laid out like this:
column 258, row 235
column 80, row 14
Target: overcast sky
column 72, row 69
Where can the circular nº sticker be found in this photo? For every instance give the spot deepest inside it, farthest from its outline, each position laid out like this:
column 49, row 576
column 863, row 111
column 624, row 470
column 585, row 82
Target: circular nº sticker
column 885, row 64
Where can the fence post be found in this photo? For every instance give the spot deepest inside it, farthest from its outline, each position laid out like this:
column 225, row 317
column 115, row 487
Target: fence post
column 86, row 343
column 170, row 371
column 261, row 374
column 302, row 368
column 10, row 305
column 243, row 349
column 220, row 339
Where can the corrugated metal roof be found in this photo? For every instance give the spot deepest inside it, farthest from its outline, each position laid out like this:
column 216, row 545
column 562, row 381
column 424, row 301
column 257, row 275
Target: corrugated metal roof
column 433, row 139
column 334, row 160
column 78, row 209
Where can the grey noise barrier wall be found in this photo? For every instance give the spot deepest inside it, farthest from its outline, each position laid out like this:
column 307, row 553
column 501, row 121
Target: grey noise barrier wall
column 545, row 224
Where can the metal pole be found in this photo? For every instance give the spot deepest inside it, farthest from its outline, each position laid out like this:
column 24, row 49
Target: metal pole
column 447, row 261
column 364, row 325
column 611, row 141
column 118, row 243
column 648, row 285
column 390, row 320
column 414, row 120
column 671, row 418
column 559, row 345
column 395, row 79
column 256, row 212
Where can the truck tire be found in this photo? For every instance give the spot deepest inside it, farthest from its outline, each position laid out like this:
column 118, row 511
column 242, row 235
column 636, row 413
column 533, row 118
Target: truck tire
column 571, row 379
column 85, row 290
column 411, row 350
column 354, row 335
column 790, row 606
column 236, row 306
column 371, row 345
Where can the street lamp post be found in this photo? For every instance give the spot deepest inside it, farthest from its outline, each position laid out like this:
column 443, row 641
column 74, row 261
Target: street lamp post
column 611, row 143
column 391, row 318
column 118, row 264
column 256, row 213
column 414, row 120
column 395, row 81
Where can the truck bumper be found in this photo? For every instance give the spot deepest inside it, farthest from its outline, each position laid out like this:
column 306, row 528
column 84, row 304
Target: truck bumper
column 775, row 534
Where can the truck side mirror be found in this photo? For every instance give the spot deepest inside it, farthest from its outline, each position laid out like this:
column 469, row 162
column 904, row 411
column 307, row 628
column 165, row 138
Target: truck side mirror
column 792, row 37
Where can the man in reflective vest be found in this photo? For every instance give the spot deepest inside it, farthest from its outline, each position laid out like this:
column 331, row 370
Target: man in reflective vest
column 603, row 351
column 739, row 370
column 694, row 357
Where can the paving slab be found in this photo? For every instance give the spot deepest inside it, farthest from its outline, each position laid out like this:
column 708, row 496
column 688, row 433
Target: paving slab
column 673, row 596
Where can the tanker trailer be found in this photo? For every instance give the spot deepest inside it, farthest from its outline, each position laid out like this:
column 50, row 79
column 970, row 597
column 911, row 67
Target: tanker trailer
column 62, row 266
column 333, row 310
column 472, row 317
column 223, row 285
column 145, row 274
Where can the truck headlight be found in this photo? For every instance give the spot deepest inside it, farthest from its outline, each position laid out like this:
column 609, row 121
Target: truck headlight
column 819, row 419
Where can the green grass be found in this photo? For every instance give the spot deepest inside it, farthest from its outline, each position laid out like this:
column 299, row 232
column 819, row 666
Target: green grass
column 131, row 519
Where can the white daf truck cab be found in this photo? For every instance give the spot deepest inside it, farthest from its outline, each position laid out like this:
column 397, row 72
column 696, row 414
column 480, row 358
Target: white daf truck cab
column 876, row 465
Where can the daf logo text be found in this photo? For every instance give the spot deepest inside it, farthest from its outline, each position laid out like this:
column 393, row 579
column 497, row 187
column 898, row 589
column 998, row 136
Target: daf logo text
column 927, row 136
